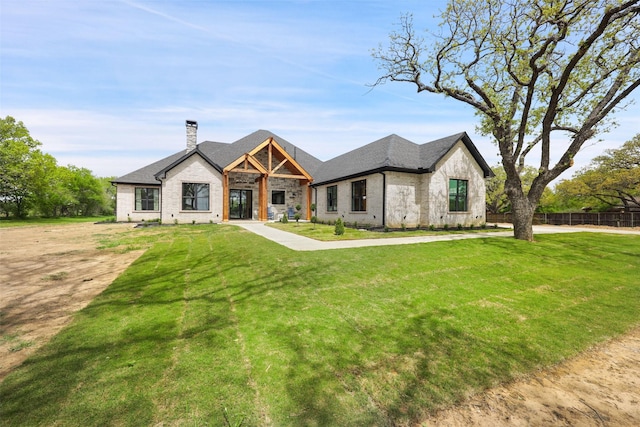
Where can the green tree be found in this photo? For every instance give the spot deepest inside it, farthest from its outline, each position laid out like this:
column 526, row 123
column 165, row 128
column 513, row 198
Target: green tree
column 87, row 192
column 19, row 154
column 540, row 75
column 612, row 179
column 109, row 194
column 51, row 191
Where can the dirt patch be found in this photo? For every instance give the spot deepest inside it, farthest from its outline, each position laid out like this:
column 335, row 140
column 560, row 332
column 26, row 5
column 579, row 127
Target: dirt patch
column 48, row 273
column 601, row 387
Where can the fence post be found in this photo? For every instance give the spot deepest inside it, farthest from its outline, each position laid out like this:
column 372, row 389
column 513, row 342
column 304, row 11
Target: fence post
column 570, row 218
column 598, row 218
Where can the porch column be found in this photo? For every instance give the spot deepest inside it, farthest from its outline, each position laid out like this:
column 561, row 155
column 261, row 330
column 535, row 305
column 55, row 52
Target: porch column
column 225, row 197
column 309, row 213
column 262, row 197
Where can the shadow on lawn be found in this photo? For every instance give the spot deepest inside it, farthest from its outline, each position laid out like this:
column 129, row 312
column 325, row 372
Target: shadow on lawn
column 419, row 370
column 385, row 374
column 130, row 334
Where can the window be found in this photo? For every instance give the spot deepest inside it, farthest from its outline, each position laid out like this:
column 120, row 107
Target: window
column 458, row 195
column 359, row 196
column 195, row 197
column 147, row 199
column 332, row 198
column 277, row 197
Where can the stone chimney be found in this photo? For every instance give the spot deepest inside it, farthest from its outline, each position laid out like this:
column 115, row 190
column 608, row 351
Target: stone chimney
column 192, row 135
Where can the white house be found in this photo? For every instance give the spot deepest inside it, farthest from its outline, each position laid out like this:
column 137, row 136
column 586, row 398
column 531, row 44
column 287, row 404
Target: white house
column 390, row 182
column 394, row 182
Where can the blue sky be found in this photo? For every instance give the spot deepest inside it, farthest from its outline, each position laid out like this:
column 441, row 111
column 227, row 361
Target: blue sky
column 108, row 85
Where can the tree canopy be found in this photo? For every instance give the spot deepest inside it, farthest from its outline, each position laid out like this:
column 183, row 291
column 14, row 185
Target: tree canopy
column 610, row 181
column 544, row 77
column 32, row 181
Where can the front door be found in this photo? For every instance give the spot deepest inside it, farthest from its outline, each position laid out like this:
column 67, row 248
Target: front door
column 240, row 204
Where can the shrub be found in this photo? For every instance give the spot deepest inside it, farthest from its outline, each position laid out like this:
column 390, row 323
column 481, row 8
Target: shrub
column 460, row 226
column 297, row 217
column 446, row 227
column 284, row 218
column 386, row 229
column 339, row 228
column 314, row 219
column 432, row 227
column 403, row 226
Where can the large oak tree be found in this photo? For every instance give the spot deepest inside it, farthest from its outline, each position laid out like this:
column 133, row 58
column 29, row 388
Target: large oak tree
column 545, row 77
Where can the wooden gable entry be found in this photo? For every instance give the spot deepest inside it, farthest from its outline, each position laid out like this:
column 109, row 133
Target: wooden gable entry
column 277, row 158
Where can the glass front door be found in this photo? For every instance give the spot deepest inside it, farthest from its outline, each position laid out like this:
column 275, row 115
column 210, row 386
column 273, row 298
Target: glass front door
column 240, row 204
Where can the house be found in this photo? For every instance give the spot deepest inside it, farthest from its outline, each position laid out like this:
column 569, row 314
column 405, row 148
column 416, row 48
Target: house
column 396, row 183
column 390, row 182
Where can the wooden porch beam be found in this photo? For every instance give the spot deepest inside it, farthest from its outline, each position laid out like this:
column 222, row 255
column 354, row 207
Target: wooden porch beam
column 246, row 171
column 282, row 175
column 279, row 166
column 225, row 197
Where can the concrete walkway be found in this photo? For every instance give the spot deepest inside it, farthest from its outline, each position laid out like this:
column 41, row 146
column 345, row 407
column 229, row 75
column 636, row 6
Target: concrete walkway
column 300, row 243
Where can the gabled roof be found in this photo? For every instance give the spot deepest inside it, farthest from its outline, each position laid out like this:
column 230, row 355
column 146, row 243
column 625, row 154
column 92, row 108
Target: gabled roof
column 391, row 153
column 217, row 154
column 394, row 153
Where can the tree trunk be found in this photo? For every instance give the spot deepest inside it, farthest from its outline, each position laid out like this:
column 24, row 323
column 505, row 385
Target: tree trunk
column 522, row 211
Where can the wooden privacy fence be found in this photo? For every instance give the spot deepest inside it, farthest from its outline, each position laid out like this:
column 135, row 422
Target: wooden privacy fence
column 612, row 219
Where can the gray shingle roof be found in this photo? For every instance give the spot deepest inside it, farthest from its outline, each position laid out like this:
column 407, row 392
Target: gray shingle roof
column 389, row 153
column 218, row 154
column 394, row 153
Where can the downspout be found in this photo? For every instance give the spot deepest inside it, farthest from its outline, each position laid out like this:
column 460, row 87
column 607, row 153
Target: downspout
column 160, row 201
column 384, row 199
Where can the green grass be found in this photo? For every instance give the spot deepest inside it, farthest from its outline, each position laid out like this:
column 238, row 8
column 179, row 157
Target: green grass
column 216, row 326
column 325, row 232
column 4, row 222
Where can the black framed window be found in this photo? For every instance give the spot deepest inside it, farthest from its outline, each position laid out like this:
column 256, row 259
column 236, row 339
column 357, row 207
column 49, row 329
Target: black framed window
column 277, row 197
column 359, row 196
column 195, row 197
column 458, row 195
column 332, row 198
column 147, row 199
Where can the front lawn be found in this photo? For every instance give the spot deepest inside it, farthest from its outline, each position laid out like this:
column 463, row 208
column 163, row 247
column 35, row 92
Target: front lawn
column 214, row 325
